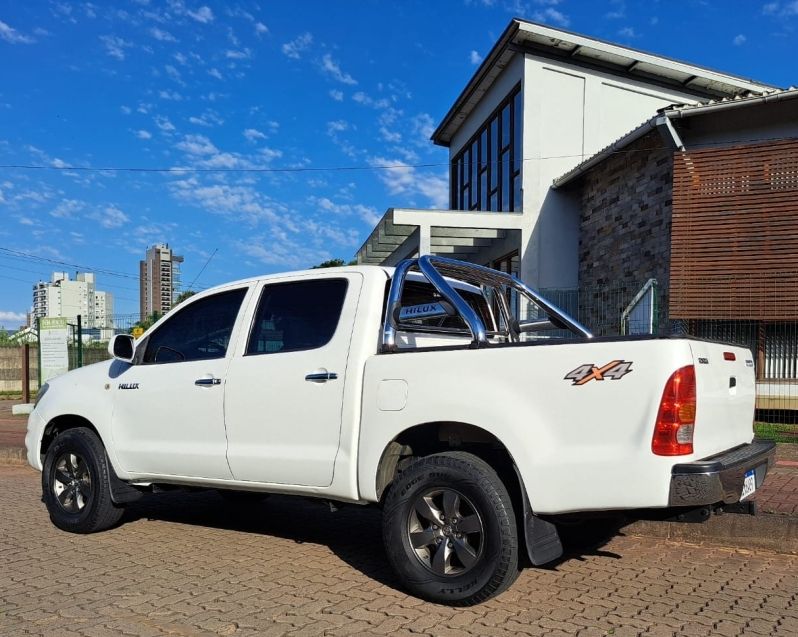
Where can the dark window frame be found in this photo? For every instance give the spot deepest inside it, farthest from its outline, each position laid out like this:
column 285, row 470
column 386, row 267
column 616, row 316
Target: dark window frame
column 468, row 194
column 256, row 314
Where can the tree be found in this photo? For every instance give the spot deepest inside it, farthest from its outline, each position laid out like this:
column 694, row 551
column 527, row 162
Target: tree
column 146, row 322
column 334, row 263
column 186, row 294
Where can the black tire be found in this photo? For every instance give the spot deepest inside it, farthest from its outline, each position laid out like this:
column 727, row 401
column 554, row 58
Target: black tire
column 490, row 555
column 76, row 483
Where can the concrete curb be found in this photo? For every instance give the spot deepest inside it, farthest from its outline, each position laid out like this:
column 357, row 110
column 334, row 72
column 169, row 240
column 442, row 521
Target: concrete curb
column 771, row 532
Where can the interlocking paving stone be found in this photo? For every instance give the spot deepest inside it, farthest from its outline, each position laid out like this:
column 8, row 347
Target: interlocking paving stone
column 189, row 564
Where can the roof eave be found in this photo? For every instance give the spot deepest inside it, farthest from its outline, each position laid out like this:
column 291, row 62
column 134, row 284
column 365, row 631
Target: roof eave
column 439, row 137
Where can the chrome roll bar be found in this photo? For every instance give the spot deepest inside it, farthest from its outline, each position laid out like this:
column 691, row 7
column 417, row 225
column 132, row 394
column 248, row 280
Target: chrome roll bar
column 438, row 269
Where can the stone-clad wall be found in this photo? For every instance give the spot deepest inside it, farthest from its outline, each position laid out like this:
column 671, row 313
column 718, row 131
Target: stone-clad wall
column 625, row 225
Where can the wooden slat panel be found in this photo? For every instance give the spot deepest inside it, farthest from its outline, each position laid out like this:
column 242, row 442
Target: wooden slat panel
column 734, row 233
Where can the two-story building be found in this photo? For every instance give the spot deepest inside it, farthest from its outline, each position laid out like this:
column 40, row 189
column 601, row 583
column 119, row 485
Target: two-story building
column 542, row 102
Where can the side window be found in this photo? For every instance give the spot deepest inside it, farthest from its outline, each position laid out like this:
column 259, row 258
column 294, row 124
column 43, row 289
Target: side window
column 297, row 316
column 200, row 331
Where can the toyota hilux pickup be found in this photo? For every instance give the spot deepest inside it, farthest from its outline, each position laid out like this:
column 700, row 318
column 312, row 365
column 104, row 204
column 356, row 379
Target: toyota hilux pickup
column 470, row 409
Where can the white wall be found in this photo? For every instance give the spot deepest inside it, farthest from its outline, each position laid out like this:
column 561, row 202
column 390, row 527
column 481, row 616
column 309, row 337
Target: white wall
column 570, row 113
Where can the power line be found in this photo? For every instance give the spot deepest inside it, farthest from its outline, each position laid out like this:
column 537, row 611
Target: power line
column 354, row 168
column 215, row 250
column 42, row 275
column 33, row 257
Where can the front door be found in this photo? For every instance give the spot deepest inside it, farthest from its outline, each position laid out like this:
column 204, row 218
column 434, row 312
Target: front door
column 284, row 396
column 168, row 414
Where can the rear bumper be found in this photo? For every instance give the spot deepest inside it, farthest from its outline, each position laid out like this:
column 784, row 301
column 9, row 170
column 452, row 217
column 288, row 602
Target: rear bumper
column 720, row 478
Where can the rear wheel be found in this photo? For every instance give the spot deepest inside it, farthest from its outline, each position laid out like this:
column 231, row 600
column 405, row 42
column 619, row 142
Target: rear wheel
column 76, row 484
column 450, row 531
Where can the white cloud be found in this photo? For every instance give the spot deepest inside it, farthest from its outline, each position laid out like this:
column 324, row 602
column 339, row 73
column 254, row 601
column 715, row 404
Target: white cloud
column 261, row 29
column 361, row 98
column 203, row 15
column 12, row 36
column 390, row 136
column 337, row 126
column 330, row 67
column 111, row 217
column 401, row 179
column 174, row 74
column 475, row 57
column 214, row 72
column 67, row 209
column 143, row 134
column 13, row 319
column 59, row 163
column 368, row 214
column 172, row 96
column 739, row 40
column 164, row 124
column 253, row 134
column 244, row 54
column 628, row 32
column 208, row 119
column 115, row 46
column 241, row 202
column 268, row 154
column 161, row 35
column 197, row 145
column 126, row 110
column 337, row 95
column 297, row 46
column 552, row 16
column 423, row 126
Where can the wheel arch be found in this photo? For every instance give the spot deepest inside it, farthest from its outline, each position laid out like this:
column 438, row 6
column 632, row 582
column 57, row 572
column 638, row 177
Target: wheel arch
column 433, row 437
column 541, row 537
column 59, row 425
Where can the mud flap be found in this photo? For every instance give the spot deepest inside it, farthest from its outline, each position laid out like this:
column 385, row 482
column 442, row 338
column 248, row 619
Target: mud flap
column 121, row 492
column 543, row 543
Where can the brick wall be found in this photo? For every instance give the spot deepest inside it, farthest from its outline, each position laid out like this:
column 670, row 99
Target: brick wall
column 625, row 225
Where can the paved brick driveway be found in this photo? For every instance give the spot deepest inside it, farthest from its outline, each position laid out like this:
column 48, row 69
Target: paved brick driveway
column 186, row 564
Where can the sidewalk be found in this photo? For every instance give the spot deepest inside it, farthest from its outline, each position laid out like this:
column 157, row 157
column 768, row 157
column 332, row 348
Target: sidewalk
column 778, row 496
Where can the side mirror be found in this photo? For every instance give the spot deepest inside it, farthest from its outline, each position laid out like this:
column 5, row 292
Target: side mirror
column 121, row 347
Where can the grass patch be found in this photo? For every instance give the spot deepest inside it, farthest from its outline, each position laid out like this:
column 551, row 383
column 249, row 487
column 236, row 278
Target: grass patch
column 779, row 432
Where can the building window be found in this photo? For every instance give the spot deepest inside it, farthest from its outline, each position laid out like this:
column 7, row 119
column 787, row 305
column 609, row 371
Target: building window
column 486, row 173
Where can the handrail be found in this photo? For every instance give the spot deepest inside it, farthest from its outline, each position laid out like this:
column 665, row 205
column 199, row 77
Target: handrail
column 436, row 269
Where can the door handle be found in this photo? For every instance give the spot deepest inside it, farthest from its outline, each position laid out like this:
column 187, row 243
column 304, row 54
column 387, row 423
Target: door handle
column 208, row 381
column 321, row 376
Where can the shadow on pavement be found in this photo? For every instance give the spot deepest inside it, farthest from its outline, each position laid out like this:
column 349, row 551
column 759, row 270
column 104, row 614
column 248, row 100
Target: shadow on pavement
column 353, row 533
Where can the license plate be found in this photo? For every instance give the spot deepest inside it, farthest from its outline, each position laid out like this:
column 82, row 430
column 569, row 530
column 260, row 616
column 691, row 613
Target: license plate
column 749, row 484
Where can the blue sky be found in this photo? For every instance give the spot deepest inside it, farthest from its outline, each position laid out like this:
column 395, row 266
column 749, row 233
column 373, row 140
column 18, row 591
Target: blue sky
column 340, row 88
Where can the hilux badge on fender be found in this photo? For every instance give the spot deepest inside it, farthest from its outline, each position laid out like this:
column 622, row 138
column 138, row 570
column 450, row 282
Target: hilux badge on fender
column 128, row 385
column 614, row 370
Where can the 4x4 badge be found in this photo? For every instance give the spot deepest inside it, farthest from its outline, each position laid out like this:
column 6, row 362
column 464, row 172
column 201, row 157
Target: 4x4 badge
column 614, row 370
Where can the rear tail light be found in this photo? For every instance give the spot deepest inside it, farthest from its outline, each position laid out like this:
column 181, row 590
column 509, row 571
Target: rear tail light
column 729, row 356
column 673, row 431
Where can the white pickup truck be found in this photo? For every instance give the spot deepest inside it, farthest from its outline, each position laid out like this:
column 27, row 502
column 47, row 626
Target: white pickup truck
column 415, row 388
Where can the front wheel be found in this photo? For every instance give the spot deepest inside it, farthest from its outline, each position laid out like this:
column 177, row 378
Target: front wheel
column 76, row 483
column 449, row 529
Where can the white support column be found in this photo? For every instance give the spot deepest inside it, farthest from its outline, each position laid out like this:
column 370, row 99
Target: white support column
column 424, row 239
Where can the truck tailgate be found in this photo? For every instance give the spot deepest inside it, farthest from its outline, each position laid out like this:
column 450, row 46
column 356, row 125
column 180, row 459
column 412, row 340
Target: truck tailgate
column 726, row 391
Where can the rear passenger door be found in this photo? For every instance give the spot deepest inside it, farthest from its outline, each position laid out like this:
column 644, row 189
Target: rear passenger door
column 284, row 395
